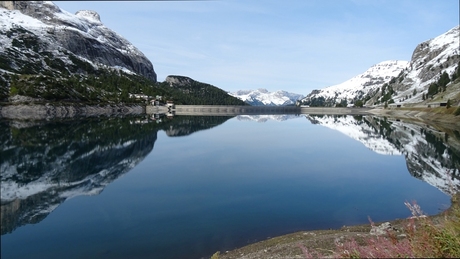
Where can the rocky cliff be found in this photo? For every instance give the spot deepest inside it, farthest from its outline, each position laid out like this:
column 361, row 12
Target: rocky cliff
column 38, row 37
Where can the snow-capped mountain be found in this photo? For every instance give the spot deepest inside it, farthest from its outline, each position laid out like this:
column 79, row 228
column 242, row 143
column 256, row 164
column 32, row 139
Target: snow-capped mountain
column 429, row 60
column 262, row 97
column 358, row 86
column 37, row 36
column 430, row 155
column 397, row 81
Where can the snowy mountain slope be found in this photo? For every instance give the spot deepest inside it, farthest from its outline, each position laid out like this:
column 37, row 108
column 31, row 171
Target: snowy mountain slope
column 359, row 131
column 358, row 86
column 40, row 32
column 404, row 82
column 429, row 155
column 429, row 60
column 262, row 97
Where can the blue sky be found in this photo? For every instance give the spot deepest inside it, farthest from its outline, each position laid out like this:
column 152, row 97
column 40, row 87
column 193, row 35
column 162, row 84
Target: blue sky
column 290, row 45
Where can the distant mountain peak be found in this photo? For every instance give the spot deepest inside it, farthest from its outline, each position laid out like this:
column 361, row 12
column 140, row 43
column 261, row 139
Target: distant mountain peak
column 262, row 97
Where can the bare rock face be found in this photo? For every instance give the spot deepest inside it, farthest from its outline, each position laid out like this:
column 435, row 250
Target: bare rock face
column 178, row 80
column 435, row 55
column 61, row 35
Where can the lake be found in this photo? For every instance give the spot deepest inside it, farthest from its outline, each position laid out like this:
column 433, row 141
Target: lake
column 188, row 186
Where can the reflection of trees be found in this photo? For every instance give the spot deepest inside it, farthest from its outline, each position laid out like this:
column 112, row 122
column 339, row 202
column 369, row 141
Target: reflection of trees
column 186, row 125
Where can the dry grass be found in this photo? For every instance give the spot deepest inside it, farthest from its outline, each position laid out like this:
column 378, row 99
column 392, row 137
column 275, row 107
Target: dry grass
column 424, row 239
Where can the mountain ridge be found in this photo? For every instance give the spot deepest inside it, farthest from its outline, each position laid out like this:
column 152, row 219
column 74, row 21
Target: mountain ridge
column 262, row 97
column 406, row 82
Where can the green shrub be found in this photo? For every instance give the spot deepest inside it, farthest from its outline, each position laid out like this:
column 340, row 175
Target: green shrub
column 13, row 91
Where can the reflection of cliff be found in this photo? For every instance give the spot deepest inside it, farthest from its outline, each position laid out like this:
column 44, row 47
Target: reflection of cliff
column 186, row 125
column 44, row 164
column 430, row 155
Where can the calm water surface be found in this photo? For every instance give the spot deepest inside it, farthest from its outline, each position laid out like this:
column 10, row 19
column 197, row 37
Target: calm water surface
column 190, row 186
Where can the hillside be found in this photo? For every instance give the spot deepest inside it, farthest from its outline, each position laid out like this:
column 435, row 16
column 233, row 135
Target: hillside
column 189, row 91
column 357, row 87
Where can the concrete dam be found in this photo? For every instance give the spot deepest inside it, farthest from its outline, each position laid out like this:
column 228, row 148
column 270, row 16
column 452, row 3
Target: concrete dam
column 233, row 110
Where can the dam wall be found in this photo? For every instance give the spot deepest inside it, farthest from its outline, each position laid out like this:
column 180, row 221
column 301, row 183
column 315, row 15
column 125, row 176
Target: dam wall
column 233, row 110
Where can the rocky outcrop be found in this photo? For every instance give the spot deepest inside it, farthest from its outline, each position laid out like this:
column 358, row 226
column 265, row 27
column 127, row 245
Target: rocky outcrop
column 178, row 81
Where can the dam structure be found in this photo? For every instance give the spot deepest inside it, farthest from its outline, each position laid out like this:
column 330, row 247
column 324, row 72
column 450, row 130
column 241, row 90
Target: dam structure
column 233, row 110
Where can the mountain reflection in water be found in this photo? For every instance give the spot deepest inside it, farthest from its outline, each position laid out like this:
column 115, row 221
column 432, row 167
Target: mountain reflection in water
column 431, row 155
column 45, row 163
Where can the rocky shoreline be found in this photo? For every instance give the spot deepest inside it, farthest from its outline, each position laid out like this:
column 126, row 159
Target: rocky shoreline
column 52, row 111
column 431, row 116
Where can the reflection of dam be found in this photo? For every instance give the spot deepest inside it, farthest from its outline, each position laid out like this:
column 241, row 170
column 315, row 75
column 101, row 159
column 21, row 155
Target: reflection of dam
column 232, row 110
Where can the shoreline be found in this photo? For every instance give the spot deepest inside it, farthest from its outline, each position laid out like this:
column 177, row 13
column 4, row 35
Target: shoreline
column 432, row 116
column 53, row 111
column 324, row 241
